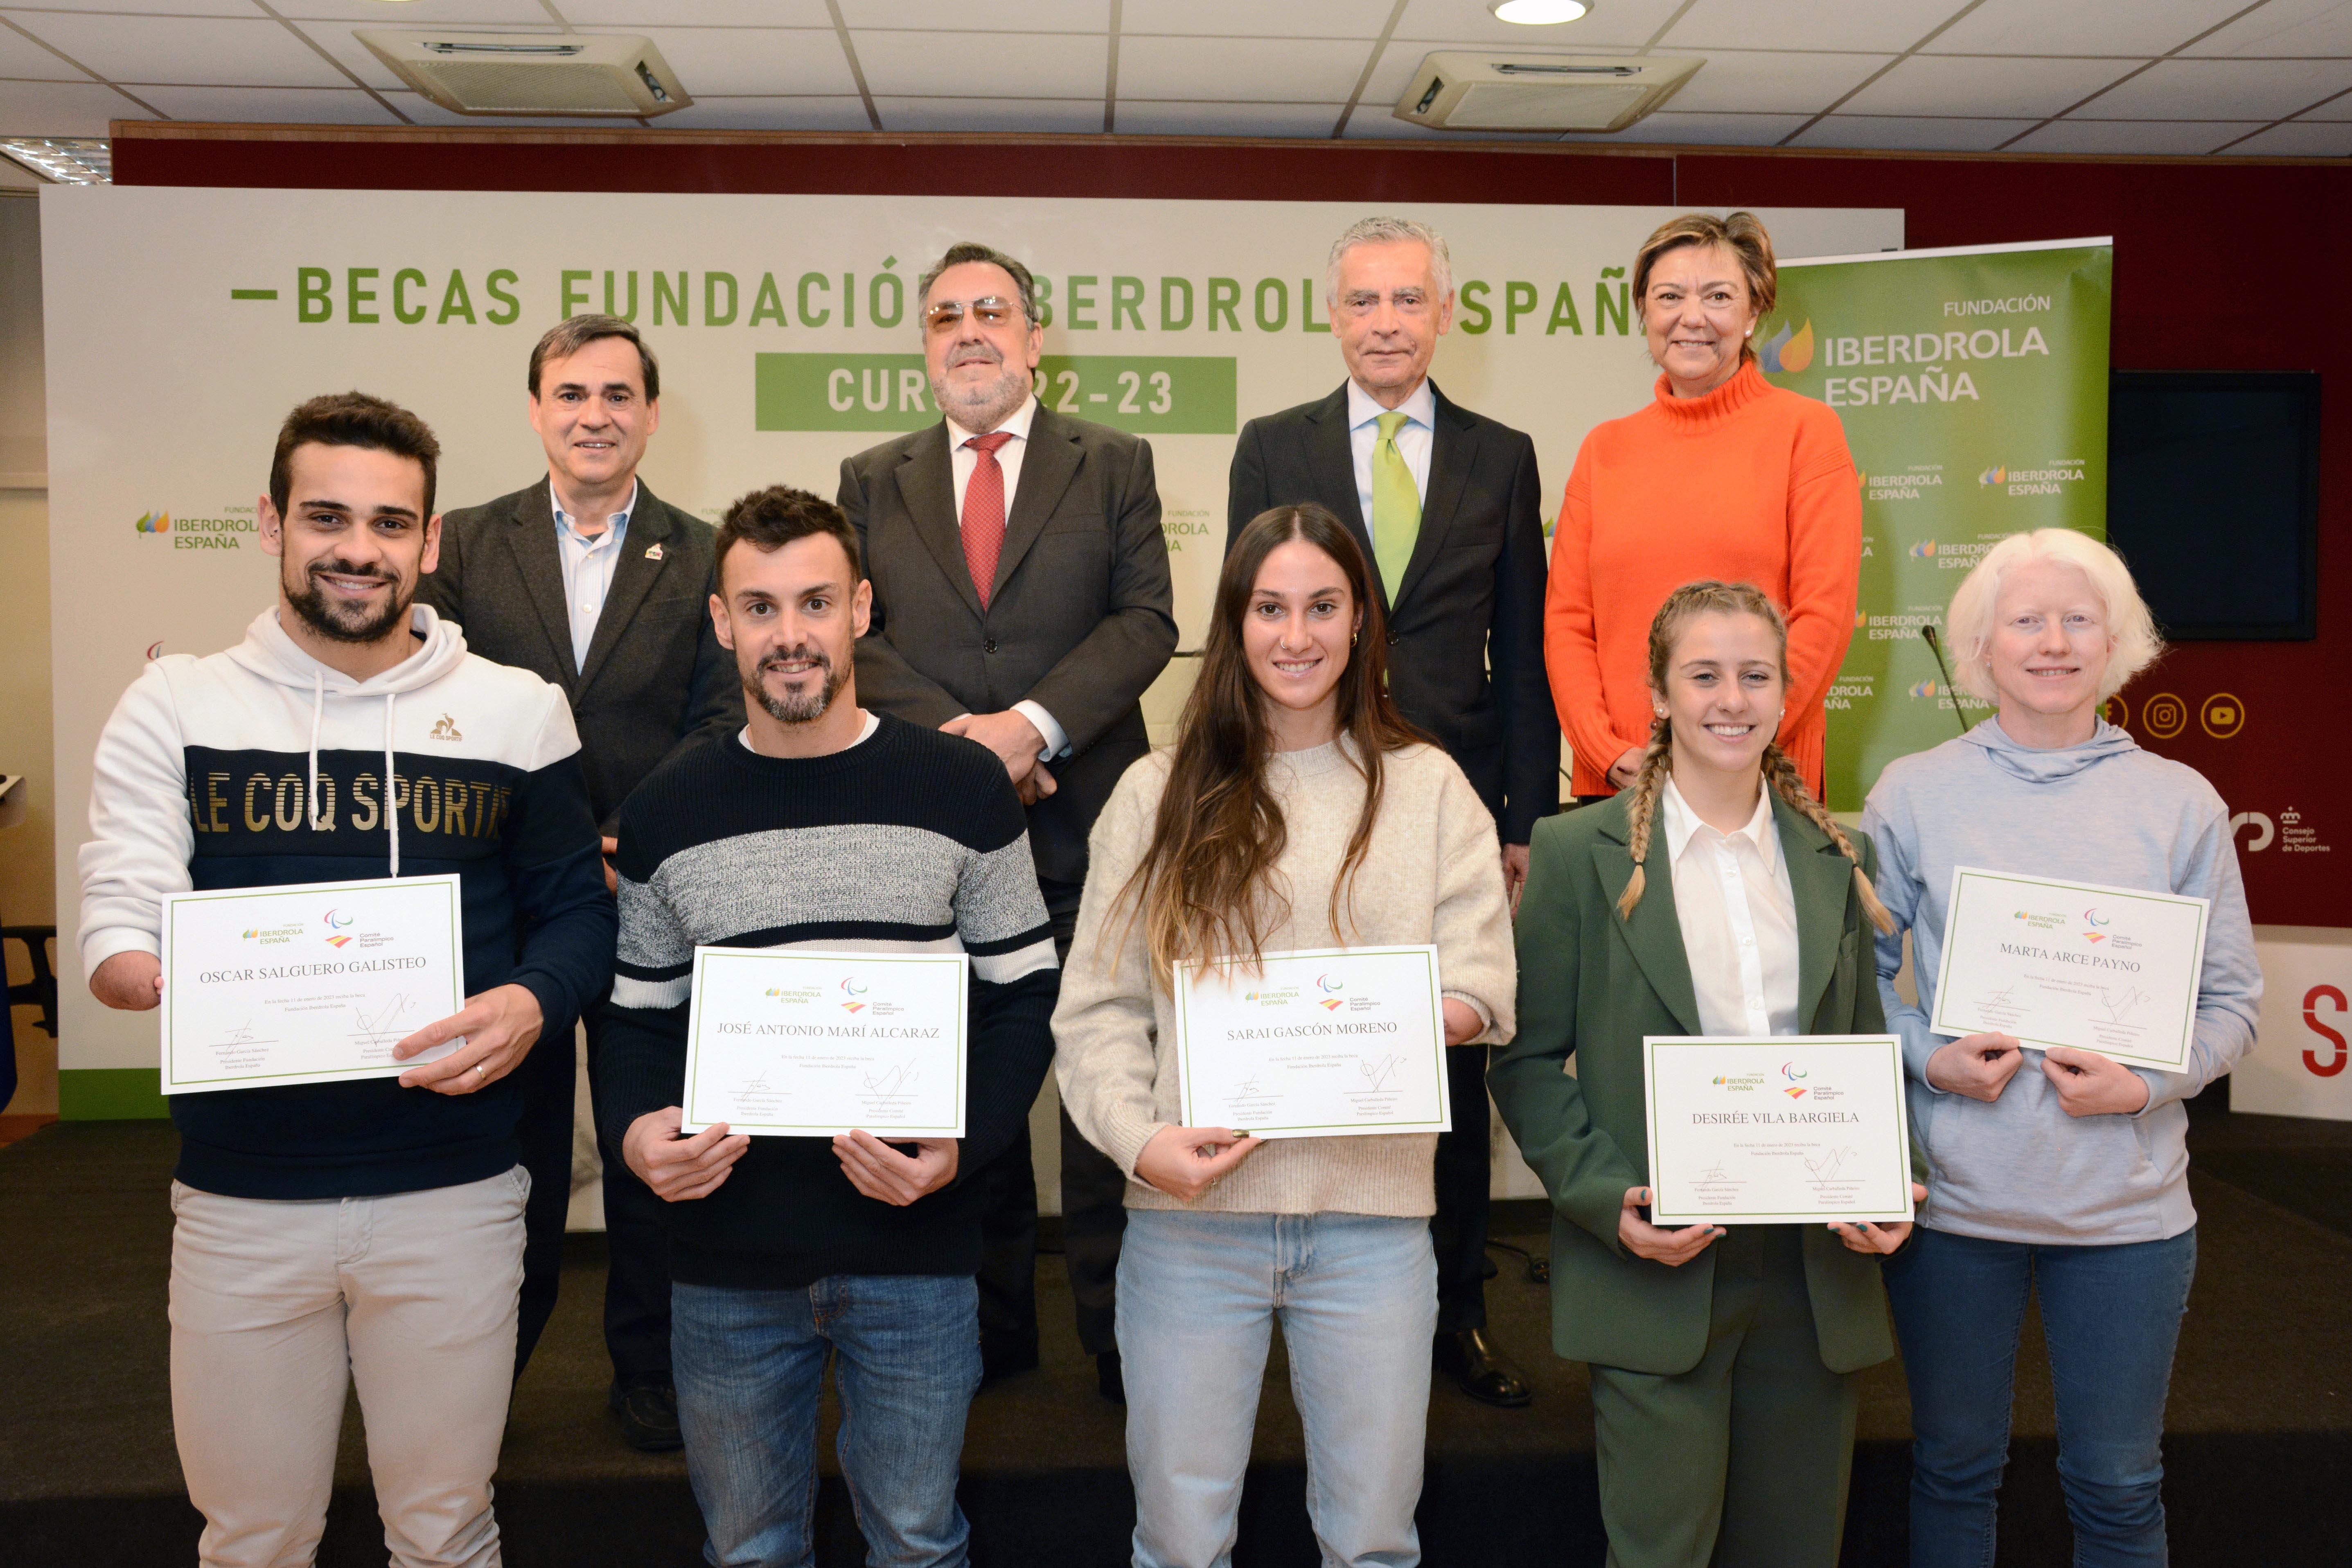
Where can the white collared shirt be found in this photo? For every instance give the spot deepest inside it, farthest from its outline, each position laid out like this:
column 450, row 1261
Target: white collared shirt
column 1413, row 440
column 961, row 461
column 1739, row 917
column 588, row 567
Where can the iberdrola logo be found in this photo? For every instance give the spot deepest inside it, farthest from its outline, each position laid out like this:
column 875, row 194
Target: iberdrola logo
column 153, row 522
column 1998, row 476
column 1926, row 688
column 1788, row 350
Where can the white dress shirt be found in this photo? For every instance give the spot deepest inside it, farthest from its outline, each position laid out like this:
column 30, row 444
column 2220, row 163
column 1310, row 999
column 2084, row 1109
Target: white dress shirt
column 1413, row 439
column 961, row 461
column 588, row 567
column 1738, row 916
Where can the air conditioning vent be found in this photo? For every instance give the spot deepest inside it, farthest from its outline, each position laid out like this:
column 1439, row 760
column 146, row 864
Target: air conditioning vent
column 1540, row 92
column 533, row 73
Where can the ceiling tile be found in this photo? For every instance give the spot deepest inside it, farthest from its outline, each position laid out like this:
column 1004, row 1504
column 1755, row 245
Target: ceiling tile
column 1669, row 128
column 756, row 113
column 2303, row 139
column 986, row 114
column 1400, row 62
column 1217, row 70
column 647, row 15
column 1880, row 25
column 62, row 109
column 477, row 13
column 271, row 105
column 1256, row 19
column 1030, row 15
column 1897, row 133
column 1148, row 118
column 142, row 7
column 995, row 64
column 1771, row 83
column 2287, row 29
column 765, row 62
column 2097, row 137
column 21, row 59
column 1627, row 23
column 2077, row 27
column 217, row 51
column 2221, row 90
column 2333, row 109
column 1982, row 85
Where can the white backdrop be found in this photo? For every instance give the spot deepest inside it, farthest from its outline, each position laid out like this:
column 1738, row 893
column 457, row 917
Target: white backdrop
column 169, row 369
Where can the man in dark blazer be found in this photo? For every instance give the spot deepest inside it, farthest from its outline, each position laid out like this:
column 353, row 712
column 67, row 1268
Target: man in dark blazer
column 1446, row 504
column 587, row 580
column 1021, row 599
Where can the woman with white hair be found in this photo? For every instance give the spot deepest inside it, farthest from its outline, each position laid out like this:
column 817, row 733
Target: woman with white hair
column 2059, row 1172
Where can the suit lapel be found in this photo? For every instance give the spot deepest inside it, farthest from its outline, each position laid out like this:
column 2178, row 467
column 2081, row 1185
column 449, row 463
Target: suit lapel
column 927, row 484
column 1454, row 445
column 1820, row 878
column 1331, row 465
column 1047, row 466
column 633, row 578
column 532, row 539
column 1655, row 932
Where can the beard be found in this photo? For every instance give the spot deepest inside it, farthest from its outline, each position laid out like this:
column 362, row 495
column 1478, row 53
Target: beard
column 981, row 406
column 799, row 707
column 338, row 620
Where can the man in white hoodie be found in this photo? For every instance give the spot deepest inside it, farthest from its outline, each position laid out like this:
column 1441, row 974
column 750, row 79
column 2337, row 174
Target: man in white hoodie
column 364, row 1232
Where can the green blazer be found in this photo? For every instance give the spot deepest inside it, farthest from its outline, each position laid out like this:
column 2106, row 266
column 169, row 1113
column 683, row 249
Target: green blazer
column 1591, row 984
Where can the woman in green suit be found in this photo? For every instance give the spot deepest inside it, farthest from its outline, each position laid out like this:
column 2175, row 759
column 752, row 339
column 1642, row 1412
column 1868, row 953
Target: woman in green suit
column 1713, row 897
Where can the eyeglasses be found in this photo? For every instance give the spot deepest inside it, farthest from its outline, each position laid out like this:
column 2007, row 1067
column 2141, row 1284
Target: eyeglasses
column 947, row 315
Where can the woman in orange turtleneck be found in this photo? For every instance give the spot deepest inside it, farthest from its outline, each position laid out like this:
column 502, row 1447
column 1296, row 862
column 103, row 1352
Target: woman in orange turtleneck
column 1724, row 476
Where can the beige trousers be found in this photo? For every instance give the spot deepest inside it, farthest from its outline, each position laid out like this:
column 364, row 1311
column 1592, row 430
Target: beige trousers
column 279, row 1307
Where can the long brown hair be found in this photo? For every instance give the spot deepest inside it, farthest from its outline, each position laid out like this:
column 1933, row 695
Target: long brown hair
column 1203, row 887
column 1683, row 605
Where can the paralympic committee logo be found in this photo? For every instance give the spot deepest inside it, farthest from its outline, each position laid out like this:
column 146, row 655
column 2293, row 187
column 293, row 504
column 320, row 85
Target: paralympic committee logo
column 852, row 988
column 2094, row 918
column 1794, row 1088
column 335, row 921
column 1788, row 350
column 152, row 523
column 1327, row 984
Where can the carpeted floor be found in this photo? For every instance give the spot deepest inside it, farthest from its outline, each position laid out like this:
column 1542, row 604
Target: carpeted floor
column 2261, row 1419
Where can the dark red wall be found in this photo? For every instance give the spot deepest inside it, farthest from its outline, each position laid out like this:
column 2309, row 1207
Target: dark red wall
column 2218, row 265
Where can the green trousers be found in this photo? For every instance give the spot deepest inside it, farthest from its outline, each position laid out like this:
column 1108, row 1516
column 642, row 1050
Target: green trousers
column 1744, row 1460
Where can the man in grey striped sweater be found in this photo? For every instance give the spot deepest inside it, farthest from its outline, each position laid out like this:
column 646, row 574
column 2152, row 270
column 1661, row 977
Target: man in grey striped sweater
column 822, row 825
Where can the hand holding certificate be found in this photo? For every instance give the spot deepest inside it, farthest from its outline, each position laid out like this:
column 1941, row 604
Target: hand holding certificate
column 310, row 984
column 1323, row 1043
column 1775, row 1130
column 2111, row 970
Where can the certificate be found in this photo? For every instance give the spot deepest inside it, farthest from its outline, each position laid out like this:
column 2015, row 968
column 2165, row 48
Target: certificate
column 2112, row 970
column 1322, row 1044
column 313, row 983
column 794, row 1044
column 1772, row 1131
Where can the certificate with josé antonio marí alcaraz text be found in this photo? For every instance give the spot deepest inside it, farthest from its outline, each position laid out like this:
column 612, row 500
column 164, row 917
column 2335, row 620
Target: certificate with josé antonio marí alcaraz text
column 798, row 1043
column 307, row 984
column 2112, row 970
column 1777, row 1131
column 1327, row 1043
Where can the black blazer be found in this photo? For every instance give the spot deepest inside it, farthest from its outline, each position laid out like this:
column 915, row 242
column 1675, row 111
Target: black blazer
column 501, row 579
column 1465, row 627
column 1080, row 620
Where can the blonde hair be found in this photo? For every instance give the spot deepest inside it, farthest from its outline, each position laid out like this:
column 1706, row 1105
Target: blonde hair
column 2132, row 641
column 1742, row 233
column 1683, row 605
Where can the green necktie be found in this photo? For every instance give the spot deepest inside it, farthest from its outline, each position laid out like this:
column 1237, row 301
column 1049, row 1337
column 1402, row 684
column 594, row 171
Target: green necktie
column 1396, row 506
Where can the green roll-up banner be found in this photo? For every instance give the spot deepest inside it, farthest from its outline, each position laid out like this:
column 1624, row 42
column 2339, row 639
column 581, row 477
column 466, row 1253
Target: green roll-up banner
column 1973, row 386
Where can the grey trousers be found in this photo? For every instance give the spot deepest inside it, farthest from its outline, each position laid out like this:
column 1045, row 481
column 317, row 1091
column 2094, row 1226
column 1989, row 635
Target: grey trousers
column 279, row 1307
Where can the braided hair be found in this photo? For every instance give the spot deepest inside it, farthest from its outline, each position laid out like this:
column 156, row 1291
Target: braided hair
column 1683, row 605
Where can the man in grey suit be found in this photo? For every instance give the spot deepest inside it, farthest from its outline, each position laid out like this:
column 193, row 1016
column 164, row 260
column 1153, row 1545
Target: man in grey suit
column 587, row 580
column 1022, row 599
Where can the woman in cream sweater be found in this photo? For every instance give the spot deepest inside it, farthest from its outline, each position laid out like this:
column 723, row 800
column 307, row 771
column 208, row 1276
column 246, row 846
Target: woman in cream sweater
column 1296, row 811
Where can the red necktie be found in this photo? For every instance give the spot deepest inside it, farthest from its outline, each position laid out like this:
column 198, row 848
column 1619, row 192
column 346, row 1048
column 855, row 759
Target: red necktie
column 983, row 513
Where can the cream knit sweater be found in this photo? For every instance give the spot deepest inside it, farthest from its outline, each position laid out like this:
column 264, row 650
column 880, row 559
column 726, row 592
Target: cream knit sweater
column 1432, row 873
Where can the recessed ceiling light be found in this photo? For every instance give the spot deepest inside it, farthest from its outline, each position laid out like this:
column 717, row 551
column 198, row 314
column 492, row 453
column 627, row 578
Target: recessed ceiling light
column 64, row 159
column 1538, row 12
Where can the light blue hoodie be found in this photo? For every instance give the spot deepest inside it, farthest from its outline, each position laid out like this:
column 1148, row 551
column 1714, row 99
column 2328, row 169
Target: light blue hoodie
column 2020, row 1169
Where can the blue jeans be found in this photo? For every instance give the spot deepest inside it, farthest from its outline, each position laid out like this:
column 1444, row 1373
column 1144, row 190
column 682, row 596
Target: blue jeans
column 1198, row 1297
column 749, row 1364
column 2111, row 1316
